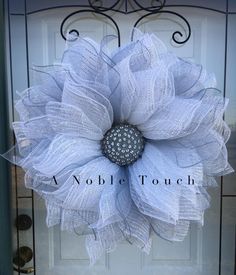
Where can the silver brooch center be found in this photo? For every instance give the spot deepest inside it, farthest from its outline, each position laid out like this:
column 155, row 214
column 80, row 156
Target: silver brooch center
column 123, row 144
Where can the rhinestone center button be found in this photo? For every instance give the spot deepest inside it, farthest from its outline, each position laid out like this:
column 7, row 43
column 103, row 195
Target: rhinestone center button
column 123, row 144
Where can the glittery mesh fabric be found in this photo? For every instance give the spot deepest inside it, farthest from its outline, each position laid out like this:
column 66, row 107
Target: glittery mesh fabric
column 64, row 116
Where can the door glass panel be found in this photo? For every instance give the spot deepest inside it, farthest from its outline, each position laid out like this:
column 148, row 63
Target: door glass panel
column 230, row 116
column 229, row 236
column 60, row 253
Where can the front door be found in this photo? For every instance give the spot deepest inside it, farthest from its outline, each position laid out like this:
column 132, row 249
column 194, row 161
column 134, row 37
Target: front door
column 35, row 39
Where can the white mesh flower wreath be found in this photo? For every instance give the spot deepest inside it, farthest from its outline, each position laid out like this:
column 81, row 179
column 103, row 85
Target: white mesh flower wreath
column 131, row 119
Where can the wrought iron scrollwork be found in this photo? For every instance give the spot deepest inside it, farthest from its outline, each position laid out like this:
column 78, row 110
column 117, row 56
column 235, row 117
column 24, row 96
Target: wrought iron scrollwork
column 175, row 34
column 156, row 7
column 76, row 32
column 99, row 6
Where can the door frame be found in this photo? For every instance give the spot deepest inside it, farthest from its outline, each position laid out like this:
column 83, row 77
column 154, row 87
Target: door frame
column 5, row 191
column 5, row 186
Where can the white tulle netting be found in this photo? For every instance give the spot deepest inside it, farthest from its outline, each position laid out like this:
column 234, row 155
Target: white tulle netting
column 63, row 118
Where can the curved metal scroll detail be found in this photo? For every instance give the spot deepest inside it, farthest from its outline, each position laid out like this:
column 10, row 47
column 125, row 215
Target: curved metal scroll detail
column 99, row 6
column 176, row 33
column 87, row 11
column 155, row 6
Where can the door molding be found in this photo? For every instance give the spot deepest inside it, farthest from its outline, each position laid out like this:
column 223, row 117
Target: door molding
column 5, row 205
